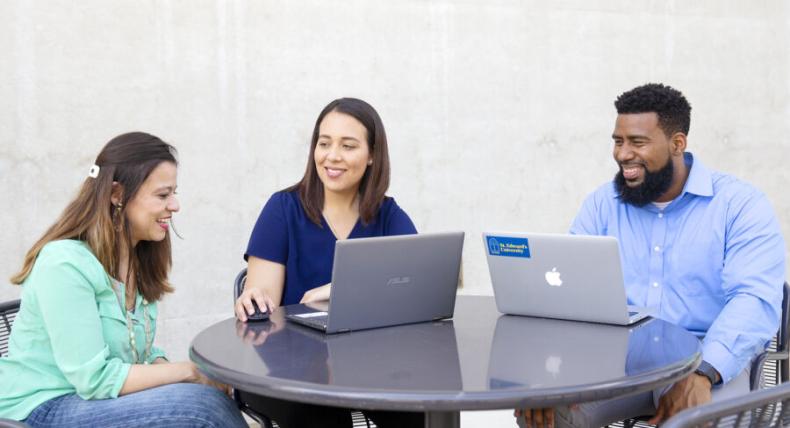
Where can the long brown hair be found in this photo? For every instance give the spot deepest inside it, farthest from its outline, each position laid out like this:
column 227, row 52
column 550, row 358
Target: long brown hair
column 375, row 181
column 128, row 160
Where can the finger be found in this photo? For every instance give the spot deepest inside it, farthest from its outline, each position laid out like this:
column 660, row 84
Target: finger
column 247, row 302
column 259, row 297
column 537, row 416
column 517, row 412
column 306, row 297
column 659, row 417
column 528, row 418
column 549, row 414
column 269, row 303
column 239, row 310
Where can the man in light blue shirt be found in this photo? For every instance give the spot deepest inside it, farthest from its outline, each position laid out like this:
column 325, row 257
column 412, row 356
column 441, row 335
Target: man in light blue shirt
column 700, row 247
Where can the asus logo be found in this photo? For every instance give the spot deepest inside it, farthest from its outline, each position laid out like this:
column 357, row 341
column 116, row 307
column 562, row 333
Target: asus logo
column 399, row 280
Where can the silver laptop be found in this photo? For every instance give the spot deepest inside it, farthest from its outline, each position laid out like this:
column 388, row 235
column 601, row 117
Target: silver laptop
column 574, row 277
column 385, row 281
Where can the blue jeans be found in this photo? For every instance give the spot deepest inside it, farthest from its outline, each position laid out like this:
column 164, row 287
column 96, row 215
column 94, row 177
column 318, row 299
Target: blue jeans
column 177, row 405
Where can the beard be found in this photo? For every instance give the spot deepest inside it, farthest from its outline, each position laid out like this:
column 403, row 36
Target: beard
column 654, row 185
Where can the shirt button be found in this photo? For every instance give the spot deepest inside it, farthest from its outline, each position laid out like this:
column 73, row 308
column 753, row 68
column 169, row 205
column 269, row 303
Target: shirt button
column 660, row 215
column 656, row 248
column 655, row 285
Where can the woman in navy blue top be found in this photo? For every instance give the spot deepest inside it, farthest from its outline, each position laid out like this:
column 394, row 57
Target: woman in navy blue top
column 291, row 249
column 284, row 234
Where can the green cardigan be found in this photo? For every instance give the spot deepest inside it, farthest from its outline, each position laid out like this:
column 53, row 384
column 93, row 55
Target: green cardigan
column 70, row 334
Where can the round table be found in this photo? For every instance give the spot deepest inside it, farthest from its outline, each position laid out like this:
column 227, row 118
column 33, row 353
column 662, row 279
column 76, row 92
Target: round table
column 479, row 360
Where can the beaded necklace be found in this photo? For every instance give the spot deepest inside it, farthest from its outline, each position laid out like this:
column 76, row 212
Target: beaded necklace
column 116, row 286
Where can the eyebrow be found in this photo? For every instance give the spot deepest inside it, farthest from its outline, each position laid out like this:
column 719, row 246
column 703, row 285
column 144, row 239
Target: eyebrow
column 631, row 137
column 168, row 188
column 341, row 138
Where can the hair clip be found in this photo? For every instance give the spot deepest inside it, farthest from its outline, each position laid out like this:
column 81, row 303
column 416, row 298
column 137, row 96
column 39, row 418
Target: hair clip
column 94, row 171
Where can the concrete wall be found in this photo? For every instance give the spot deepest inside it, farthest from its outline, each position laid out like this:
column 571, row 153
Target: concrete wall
column 499, row 112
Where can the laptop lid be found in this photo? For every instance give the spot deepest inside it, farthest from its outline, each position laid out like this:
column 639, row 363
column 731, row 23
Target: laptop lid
column 575, row 277
column 392, row 280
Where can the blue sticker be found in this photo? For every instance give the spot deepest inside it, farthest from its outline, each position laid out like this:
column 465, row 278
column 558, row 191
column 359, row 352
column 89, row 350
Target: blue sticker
column 508, row 247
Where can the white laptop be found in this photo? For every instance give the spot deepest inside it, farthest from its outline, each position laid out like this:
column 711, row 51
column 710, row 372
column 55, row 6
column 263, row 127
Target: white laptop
column 384, row 281
column 574, row 277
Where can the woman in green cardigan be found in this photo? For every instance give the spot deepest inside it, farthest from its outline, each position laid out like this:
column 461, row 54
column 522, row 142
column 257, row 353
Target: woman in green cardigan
column 81, row 352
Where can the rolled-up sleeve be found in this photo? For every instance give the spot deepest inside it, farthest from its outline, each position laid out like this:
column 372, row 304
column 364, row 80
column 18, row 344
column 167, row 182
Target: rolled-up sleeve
column 156, row 353
column 67, row 302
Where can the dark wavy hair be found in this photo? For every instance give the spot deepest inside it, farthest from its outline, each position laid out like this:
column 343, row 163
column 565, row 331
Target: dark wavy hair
column 674, row 111
column 375, row 181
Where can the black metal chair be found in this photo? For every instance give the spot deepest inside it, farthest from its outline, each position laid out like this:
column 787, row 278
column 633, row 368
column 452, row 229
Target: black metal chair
column 772, row 367
column 766, row 408
column 8, row 311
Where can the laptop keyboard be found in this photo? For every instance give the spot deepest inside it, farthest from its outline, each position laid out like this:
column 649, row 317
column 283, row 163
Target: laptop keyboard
column 318, row 321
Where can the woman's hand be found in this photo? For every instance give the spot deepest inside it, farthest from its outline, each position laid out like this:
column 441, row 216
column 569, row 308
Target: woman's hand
column 317, row 294
column 244, row 306
column 198, row 377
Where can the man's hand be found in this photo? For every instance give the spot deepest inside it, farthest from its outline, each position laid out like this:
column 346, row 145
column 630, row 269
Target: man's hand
column 535, row 418
column 692, row 391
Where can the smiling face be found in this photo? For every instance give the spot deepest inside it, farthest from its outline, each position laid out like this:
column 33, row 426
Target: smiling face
column 341, row 153
column 149, row 212
column 652, row 166
column 640, row 147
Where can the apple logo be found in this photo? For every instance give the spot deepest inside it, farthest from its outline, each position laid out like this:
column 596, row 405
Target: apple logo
column 553, row 278
column 553, row 364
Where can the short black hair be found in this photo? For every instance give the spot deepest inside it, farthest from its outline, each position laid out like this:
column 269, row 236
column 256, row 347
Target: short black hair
column 674, row 111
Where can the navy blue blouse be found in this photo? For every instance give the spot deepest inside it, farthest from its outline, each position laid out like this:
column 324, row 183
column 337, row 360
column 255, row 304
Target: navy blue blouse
column 284, row 234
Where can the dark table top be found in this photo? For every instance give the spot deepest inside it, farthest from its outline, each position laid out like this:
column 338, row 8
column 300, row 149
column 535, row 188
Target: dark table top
column 480, row 359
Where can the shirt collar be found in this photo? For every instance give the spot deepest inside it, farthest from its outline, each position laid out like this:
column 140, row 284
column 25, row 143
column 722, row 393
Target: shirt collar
column 700, row 179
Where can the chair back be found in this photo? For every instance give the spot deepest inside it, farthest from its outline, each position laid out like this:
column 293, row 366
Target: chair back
column 782, row 338
column 238, row 284
column 773, row 365
column 758, row 409
column 8, row 312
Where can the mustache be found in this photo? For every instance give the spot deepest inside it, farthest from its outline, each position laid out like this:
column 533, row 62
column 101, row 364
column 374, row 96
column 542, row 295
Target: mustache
column 627, row 164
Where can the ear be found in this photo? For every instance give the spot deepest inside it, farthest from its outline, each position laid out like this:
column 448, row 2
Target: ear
column 116, row 196
column 678, row 144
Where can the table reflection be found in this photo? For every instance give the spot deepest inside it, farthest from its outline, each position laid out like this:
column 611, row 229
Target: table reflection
column 548, row 353
column 418, row 356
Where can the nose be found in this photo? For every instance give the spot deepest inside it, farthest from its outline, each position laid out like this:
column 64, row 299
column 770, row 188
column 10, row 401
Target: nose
column 334, row 153
column 173, row 205
column 623, row 153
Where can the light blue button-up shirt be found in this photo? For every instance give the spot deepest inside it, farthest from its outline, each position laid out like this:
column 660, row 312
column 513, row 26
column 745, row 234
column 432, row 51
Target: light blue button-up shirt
column 712, row 261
